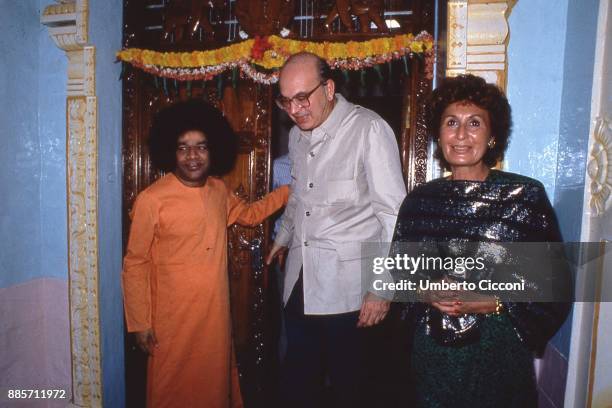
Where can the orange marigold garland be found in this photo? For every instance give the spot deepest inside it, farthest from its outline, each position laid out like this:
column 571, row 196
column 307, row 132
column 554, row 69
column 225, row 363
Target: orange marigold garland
column 260, row 58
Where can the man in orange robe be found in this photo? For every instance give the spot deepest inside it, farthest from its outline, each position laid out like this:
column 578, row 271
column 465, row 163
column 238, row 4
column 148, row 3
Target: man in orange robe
column 175, row 281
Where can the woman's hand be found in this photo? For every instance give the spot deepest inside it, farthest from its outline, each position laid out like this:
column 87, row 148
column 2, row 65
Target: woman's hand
column 459, row 307
column 457, row 303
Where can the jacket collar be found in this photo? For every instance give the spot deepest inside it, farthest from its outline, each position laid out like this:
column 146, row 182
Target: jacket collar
column 331, row 125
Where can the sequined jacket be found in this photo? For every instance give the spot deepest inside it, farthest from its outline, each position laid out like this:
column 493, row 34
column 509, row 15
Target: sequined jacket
column 506, row 207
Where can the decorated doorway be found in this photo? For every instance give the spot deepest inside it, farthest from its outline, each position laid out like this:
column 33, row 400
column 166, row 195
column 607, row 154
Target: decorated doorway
column 228, row 53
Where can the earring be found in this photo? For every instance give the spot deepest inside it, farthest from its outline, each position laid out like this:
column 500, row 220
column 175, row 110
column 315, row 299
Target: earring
column 491, row 143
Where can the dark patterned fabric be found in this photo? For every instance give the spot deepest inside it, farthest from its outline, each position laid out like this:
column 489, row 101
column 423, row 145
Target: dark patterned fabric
column 480, row 360
column 497, row 371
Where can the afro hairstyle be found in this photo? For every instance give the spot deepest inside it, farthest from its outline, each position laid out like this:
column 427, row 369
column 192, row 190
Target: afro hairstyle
column 173, row 121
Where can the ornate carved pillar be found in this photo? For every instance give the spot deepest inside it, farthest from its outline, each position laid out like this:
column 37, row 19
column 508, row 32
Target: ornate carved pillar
column 68, row 25
column 477, row 39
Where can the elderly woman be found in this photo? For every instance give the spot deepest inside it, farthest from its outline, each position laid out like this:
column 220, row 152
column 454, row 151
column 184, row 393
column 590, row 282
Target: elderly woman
column 175, row 281
column 475, row 349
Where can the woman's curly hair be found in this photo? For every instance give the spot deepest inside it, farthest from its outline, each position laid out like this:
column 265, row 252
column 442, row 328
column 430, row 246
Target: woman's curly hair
column 175, row 120
column 471, row 89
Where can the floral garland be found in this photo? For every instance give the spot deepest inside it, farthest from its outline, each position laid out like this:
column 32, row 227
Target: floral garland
column 261, row 57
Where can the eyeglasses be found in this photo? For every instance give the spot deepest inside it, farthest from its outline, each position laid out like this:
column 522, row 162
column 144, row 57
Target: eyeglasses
column 301, row 99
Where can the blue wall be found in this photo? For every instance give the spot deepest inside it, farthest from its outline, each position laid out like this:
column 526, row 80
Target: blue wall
column 33, row 214
column 52, row 132
column 34, row 319
column 32, row 149
column 575, row 114
column 574, row 128
column 551, row 54
column 20, row 145
column 105, row 34
column 535, row 83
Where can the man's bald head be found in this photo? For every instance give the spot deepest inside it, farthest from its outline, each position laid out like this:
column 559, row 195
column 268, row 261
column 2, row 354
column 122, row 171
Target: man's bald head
column 305, row 76
column 308, row 61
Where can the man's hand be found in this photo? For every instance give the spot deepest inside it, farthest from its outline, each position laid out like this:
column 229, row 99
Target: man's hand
column 373, row 310
column 146, row 340
column 279, row 252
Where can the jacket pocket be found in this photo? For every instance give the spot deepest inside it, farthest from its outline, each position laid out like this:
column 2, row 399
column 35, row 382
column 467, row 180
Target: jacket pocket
column 341, row 191
column 349, row 251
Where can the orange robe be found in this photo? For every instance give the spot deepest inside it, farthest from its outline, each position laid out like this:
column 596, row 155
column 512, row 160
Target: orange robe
column 175, row 281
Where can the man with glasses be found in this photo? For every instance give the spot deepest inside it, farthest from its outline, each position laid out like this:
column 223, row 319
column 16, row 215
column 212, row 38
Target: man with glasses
column 347, row 188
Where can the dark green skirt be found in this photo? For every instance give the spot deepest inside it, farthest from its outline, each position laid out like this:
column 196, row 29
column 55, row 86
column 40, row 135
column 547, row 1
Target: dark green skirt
column 496, row 372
